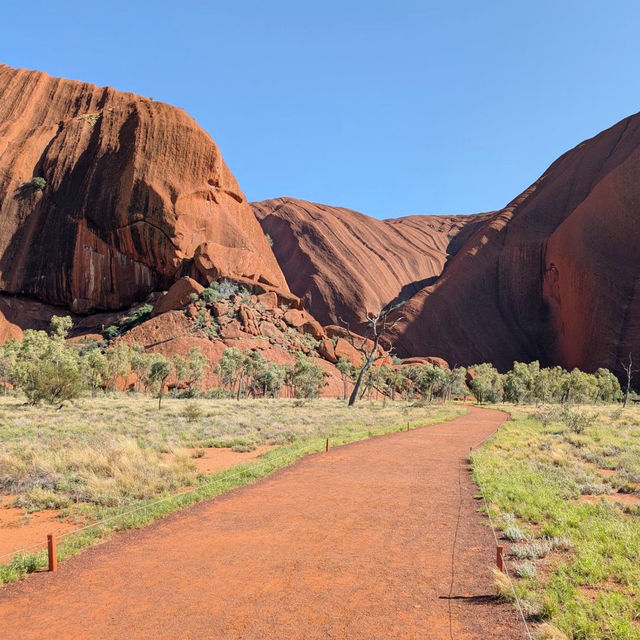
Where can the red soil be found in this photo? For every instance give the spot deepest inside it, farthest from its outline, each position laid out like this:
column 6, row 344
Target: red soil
column 356, row 543
column 19, row 529
column 221, row 458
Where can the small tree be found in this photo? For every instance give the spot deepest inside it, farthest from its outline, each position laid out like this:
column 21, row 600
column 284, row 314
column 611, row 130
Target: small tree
column 159, row 372
column 429, row 379
column 629, row 371
column 59, row 326
column 47, row 369
column 347, row 373
column 95, row 369
column 486, row 386
column 231, row 369
column 378, row 324
column 307, row 378
column 190, row 369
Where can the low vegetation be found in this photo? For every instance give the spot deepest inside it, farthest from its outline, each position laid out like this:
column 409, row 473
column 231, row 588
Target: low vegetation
column 563, row 486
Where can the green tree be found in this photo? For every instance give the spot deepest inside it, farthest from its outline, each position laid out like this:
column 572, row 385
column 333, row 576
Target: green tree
column 307, row 378
column 95, row 368
column 428, row 379
column 47, row 369
column 231, row 370
column 347, row 373
column 59, row 326
column 159, row 372
column 190, row 369
column 486, row 386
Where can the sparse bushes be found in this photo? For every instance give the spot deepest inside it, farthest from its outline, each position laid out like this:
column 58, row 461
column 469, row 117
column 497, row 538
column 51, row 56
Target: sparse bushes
column 37, row 183
column 527, row 383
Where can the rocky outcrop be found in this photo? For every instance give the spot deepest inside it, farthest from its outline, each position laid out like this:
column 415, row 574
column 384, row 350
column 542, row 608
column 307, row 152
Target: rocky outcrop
column 106, row 196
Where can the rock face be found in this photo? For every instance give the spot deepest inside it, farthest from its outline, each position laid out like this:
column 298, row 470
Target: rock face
column 553, row 276
column 131, row 195
column 342, row 262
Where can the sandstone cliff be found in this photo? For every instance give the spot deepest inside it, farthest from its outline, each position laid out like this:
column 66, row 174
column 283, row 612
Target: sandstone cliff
column 135, row 195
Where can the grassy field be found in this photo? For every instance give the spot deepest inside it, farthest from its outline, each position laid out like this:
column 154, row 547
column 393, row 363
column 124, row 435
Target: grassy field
column 563, row 487
column 105, row 456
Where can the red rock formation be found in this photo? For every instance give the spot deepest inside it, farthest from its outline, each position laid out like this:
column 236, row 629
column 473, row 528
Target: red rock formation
column 136, row 195
column 553, row 276
column 344, row 263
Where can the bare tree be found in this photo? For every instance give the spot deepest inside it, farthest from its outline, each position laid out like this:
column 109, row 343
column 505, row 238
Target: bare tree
column 629, row 370
column 378, row 324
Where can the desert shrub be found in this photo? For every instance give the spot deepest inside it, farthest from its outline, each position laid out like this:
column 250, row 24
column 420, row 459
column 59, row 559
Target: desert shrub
column 525, row 570
column 514, row 533
column 192, row 412
column 37, row 183
column 575, row 421
column 227, row 288
column 38, row 498
column 531, row 550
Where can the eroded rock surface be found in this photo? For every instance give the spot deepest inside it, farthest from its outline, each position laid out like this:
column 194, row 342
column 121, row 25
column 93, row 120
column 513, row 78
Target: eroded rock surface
column 130, row 194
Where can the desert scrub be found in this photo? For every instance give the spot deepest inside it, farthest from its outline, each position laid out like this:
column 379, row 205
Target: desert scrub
column 101, row 457
column 580, row 571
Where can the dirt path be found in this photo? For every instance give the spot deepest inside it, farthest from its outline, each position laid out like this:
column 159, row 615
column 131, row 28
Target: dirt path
column 352, row 544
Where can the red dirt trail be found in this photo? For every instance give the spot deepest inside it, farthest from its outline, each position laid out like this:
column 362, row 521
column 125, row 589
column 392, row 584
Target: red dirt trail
column 353, row 544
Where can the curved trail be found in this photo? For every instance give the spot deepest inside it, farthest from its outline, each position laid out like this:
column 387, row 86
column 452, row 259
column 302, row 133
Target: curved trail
column 353, row 544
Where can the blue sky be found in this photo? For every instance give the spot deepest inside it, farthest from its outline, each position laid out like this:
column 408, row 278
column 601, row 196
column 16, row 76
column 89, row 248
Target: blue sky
column 388, row 108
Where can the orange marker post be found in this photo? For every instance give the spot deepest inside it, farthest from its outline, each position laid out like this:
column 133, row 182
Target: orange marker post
column 499, row 558
column 53, row 556
column 327, row 445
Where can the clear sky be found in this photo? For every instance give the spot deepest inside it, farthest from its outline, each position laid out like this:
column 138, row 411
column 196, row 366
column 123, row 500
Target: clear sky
column 390, row 108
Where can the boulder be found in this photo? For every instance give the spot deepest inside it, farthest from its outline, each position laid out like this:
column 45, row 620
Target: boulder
column 178, row 296
column 313, row 328
column 327, row 351
column 344, row 349
column 248, row 320
column 295, row 318
column 268, row 300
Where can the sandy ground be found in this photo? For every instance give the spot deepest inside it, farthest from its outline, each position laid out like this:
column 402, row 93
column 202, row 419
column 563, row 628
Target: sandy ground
column 380, row 539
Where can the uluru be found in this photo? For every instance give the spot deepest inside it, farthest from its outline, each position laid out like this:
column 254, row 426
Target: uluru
column 107, row 197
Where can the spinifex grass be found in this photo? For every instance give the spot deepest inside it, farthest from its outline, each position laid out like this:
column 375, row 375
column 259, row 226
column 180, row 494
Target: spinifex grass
column 80, row 449
column 535, row 473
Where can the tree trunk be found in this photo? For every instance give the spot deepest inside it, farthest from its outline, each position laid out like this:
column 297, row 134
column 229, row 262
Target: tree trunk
column 360, row 379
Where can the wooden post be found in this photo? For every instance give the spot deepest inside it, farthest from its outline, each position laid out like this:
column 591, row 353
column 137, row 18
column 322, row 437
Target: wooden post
column 327, row 445
column 499, row 558
column 51, row 549
column 407, row 426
